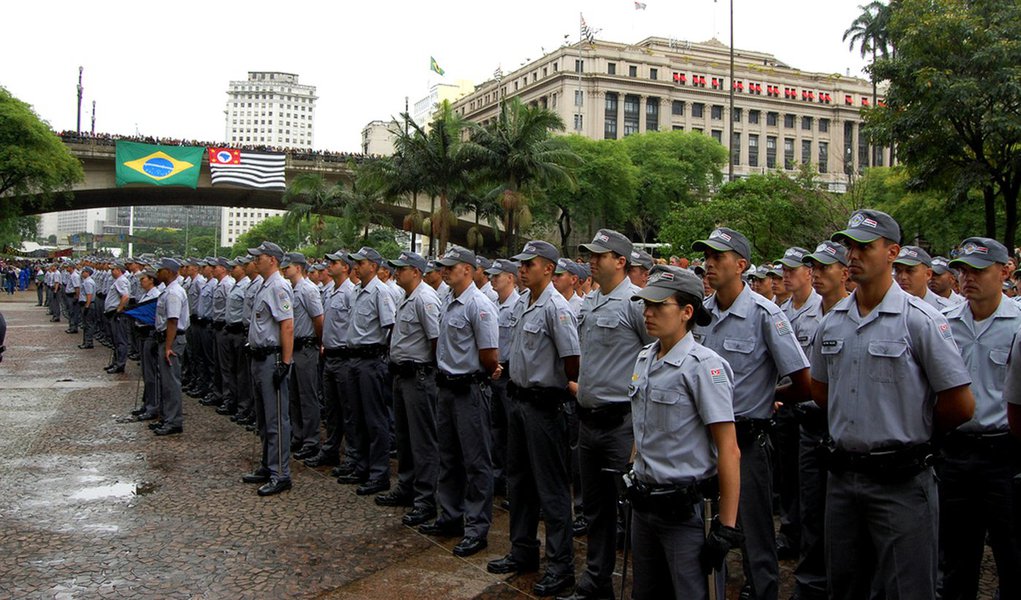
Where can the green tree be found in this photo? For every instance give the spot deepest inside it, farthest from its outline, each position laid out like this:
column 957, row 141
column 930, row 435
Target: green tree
column 16, row 229
column 362, row 198
column 953, row 107
column 675, row 169
column 274, row 229
column 773, row 210
column 519, row 152
column 32, row 159
column 607, row 183
column 309, row 198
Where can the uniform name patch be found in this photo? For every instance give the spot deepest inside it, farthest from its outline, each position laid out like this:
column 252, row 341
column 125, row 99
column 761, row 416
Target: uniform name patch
column 829, row 343
column 783, row 327
column 718, row 376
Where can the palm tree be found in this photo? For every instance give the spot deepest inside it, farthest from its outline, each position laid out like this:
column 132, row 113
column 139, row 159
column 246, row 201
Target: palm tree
column 870, row 34
column 398, row 179
column 518, row 150
column 362, row 200
column 308, row 198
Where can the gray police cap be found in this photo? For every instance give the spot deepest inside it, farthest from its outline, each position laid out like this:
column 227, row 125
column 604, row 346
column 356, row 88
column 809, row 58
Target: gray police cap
column 502, row 265
column 912, row 256
column 980, row 252
column 724, row 239
column 666, row 280
column 827, row 253
column 608, row 240
column 455, row 255
column 641, row 258
column 940, row 265
column 869, row 225
column 409, row 259
column 367, row 253
column 268, row 248
column 293, row 258
column 538, row 249
column 793, row 257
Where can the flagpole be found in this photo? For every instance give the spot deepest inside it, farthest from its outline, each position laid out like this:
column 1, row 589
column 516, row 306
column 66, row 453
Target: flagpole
column 730, row 160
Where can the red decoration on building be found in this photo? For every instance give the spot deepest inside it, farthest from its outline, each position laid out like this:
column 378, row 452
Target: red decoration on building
column 848, row 100
column 864, row 101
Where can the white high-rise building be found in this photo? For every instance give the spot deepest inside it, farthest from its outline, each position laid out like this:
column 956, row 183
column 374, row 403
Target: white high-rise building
column 268, row 109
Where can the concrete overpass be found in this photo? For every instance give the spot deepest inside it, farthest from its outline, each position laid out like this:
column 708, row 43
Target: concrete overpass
column 99, row 189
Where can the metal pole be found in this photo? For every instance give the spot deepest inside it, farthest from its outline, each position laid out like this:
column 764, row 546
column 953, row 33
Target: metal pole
column 707, row 519
column 80, row 89
column 93, row 118
column 131, row 230
column 730, row 160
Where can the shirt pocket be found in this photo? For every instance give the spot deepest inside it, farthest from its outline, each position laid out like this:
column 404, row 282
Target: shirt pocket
column 459, row 330
column 739, row 353
column 408, row 321
column 665, row 410
column 886, row 359
column 533, row 333
column 999, row 360
column 604, row 327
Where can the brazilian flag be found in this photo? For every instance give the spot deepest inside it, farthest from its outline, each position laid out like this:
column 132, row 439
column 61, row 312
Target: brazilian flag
column 158, row 165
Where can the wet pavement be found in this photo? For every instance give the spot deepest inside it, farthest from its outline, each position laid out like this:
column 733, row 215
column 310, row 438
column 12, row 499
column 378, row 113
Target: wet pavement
column 93, row 508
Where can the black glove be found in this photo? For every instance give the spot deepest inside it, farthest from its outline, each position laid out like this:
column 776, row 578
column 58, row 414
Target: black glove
column 719, row 541
column 280, row 374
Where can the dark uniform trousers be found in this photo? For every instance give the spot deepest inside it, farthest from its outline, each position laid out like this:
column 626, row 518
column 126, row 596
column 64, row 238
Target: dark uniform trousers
column 304, row 402
column 976, row 480
column 604, row 447
column 55, row 304
column 464, row 489
column 74, row 311
column 882, row 532
column 121, row 325
column 371, row 417
column 170, row 382
column 341, row 432
column 89, row 321
column 274, row 422
column 538, row 477
column 237, row 383
column 755, row 515
column 810, row 574
column 498, row 418
column 150, row 373
column 191, row 360
column 224, row 363
column 418, row 453
column 786, row 437
column 665, row 557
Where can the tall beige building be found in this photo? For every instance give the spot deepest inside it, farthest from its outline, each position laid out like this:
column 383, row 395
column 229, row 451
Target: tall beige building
column 782, row 116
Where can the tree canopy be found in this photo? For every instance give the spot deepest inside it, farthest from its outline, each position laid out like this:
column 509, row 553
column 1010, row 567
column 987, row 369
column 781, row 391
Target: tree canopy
column 32, row 159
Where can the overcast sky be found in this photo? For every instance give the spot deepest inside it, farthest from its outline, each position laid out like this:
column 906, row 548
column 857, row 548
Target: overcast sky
column 163, row 68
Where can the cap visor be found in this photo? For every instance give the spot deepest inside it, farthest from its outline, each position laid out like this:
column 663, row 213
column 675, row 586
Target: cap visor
column 859, row 235
column 703, row 244
column 493, row 271
column 654, row 293
column 909, row 262
column 593, row 248
column 523, row 257
column 793, row 264
column 397, row 264
column 449, row 262
column 973, row 262
column 252, row 251
column 818, row 258
column 337, row 256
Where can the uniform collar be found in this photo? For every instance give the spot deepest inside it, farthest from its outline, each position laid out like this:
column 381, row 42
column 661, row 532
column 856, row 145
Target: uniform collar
column 546, row 294
column 511, row 299
column 467, row 293
column 679, row 352
column 742, row 304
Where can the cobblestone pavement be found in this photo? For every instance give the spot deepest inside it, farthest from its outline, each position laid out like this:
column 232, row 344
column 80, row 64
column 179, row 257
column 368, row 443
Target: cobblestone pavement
column 92, row 508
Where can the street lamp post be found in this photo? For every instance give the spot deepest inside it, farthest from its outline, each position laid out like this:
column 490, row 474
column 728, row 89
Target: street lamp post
column 80, row 69
column 730, row 162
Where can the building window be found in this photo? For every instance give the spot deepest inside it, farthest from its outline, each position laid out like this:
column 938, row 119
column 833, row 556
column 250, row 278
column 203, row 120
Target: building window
column 678, row 128
column 718, row 135
column 772, row 118
column 824, row 156
column 806, row 151
column 770, row 151
column 544, row 71
column 577, row 122
column 806, row 123
column 716, row 112
column 697, row 130
column 735, row 148
column 824, row 125
column 652, row 114
column 753, row 150
column 632, row 104
column 653, row 74
column 610, row 117
column 788, row 121
column 737, row 115
column 579, row 97
column 632, row 71
column 753, row 117
column 677, row 108
column 697, row 109
column 788, row 154
column 611, row 68
column 579, row 66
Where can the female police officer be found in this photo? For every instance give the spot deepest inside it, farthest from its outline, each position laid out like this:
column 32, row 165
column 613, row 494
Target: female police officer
column 683, row 416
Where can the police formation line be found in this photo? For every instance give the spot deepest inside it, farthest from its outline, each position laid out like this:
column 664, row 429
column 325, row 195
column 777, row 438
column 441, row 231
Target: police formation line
column 693, row 397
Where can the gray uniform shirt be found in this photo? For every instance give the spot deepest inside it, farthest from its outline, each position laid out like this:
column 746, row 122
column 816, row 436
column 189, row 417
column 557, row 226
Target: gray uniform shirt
column 153, row 293
column 274, row 302
column 804, row 320
column 936, row 301
column 418, row 323
column 611, row 330
column 121, row 287
column 236, row 301
column 308, row 305
column 205, row 310
column 337, row 313
column 87, row 287
column 757, row 340
column 468, row 323
column 74, row 281
column 173, row 304
column 253, row 289
column 136, row 286
column 505, row 321
column 373, row 312
column 985, row 347
column 194, row 291
column 884, row 370
column 673, row 400
column 220, row 294
column 488, row 291
column 544, row 333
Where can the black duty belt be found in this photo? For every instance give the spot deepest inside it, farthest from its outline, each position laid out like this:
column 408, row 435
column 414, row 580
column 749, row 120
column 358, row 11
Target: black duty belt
column 234, row 328
column 161, row 336
column 607, row 416
column 218, row 325
column 669, row 501
column 373, row 351
column 996, row 443
column 542, row 397
column 751, row 430
column 306, row 342
column 335, row 352
column 145, row 329
column 883, row 465
column 459, row 383
column 409, row 368
column 810, row 416
column 200, row 321
column 263, row 352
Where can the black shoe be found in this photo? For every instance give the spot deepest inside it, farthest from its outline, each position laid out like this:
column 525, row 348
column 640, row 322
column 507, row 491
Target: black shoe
column 604, row 594
column 167, row 430
column 354, row 478
column 210, row 400
column 322, row 460
column 70, row 331
column 440, row 529
column 156, row 425
column 138, row 411
column 373, row 487
column 508, row 564
column 226, row 409
column 260, row 475
column 746, row 592
column 345, row 468
column 54, row 320
column 505, row 504
column 250, row 426
column 395, row 498
column 552, row 584
column 86, row 346
column 580, row 526
column 131, row 355
column 146, row 417
column 470, row 545
column 275, row 486
column 418, row 516
column 115, row 370
column 304, row 453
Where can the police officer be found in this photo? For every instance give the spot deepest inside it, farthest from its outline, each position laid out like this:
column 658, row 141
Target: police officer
column 913, row 270
column 150, row 355
column 682, row 405
column 544, row 359
column 248, row 414
column 466, row 358
column 207, row 335
column 196, row 281
column 232, row 350
column 434, row 277
column 504, row 277
column 72, row 284
column 760, row 282
column 565, row 279
column 218, row 314
column 976, row 475
column 611, row 330
column 86, row 302
column 943, row 279
column 829, row 272
column 482, row 264
column 340, row 424
column 172, row 322
column 308, row 330
column 756, row 338
column 271, row 339
column 116, row 302
column 53, row 283
column 371, row 318
column 639, row 265
column 412, row 364
column 887, row 370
